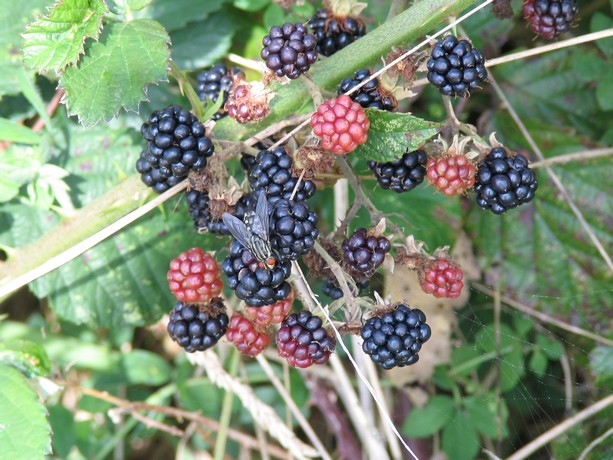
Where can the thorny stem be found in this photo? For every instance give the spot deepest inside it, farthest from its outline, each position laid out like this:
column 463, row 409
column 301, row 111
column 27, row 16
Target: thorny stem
column 340, row 275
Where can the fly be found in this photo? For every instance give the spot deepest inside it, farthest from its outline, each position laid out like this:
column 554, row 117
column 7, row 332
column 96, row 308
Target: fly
column 252, row 232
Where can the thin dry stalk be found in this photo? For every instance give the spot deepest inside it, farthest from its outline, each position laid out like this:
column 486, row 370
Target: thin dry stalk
column 585, row 155
column 561, row 428
column 595, row 443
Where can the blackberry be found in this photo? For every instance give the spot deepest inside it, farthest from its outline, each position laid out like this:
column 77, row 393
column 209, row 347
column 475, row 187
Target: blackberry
column 455, row 67
column 504, row 181
column 371, row 95
column 364, row 253
column 212, row 82
column 332, row 289
column 293, row 229
column 272, row 173
column 248, row 338
column 303, row 341
column 197, row 327
column 176, row 145
column 403, row 174
column 199, row 209
column 289, row 50
column 256, row 285
column 334, row 33
column 550, row 18
column 394, row 339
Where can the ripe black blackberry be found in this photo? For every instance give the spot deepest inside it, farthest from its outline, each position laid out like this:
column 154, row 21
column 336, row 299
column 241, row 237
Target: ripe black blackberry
column 334, row 32
column 256, row 285
column 289, row 50
column 303, row 341
column 199, row 209
column 176, row 144
column 371, row 95
column 403, row 174
column 212, row 82
column 455, row 67
column 272, row 172
column 394, row 339
column 364, row 253
column 504, row 181
column 332, row 289
column 293, row 229
column 197, row 327
column 550, row 18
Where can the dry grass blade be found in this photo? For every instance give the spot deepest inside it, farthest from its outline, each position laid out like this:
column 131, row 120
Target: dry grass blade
column 263, row 414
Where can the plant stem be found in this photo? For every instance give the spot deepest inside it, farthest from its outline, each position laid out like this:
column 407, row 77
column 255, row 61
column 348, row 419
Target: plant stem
column 226, row 412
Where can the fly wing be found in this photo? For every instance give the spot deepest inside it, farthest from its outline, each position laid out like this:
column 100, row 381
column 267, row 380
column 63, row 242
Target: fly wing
column 261, row 219
column 237, row 228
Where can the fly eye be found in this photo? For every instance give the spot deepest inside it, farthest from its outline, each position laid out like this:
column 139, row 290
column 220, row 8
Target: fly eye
column 271, row 261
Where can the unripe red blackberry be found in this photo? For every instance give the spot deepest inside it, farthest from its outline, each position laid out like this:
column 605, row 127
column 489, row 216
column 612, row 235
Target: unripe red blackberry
column 504, row 181
column 289, row 50
column 335, row 32
column 403, row 174
column 246, row 336
column 197, row 327
column 303, row 341
column 271, row 314
column 451, row 174
column 194, row 276
column 176, row 145
column 364, row 253
column 442, row 277
column 394, row 339
column 455, row 67
column 550, row 18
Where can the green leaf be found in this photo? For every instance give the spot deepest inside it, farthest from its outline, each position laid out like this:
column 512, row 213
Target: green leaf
column 604, row 93
column 599, row 22
column 63, row 426
column 427, row 420
column 14, row 16
column 115, row 70
column 30, row 358
column 392, row 134
column 18, row 165
column 14, row 132
column 251, row 5
column 551, row 347
column 145, row 368
column 601, row 363
column 465, row 359
column 482, row 411
column 56, row 40
column 202, row 43
column 538, row 363
column 460, row 438
column 511, row 363
column 24, row 430
column 175, row 14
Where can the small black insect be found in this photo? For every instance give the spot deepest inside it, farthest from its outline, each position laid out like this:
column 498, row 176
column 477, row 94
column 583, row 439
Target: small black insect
column 252, row 231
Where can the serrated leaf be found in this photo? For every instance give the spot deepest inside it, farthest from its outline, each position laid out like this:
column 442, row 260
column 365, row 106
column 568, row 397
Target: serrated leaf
column 538, row 363
column 30, row 358
column 427, row 420
column 460, row 439
column 511, row 362
column 552, row 348
column 601, row 363
column 143, row 367
column 393, row 134
column 482, row 411
column 24, row 430
column 202, row 43
column 14, row 15
column 15, row 132
column 56, row 40
column 115, row 70
column 175, row 14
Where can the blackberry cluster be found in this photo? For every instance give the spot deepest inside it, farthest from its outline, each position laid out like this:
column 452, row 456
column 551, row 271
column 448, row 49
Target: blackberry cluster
column 256, row 285
column 455, row 67
column 197, row 327
column 394, row 339
column 334, row 33
column 212, row 82
column 550, row 18
column 504, row 181
column 303, row 341
column 363, row 254
column 272, row 172
column 176, row 145
column 199, row 209
column 333, row 290
column 370, row 95
column 289, row 50
column 293, row 229
column 403, row 174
